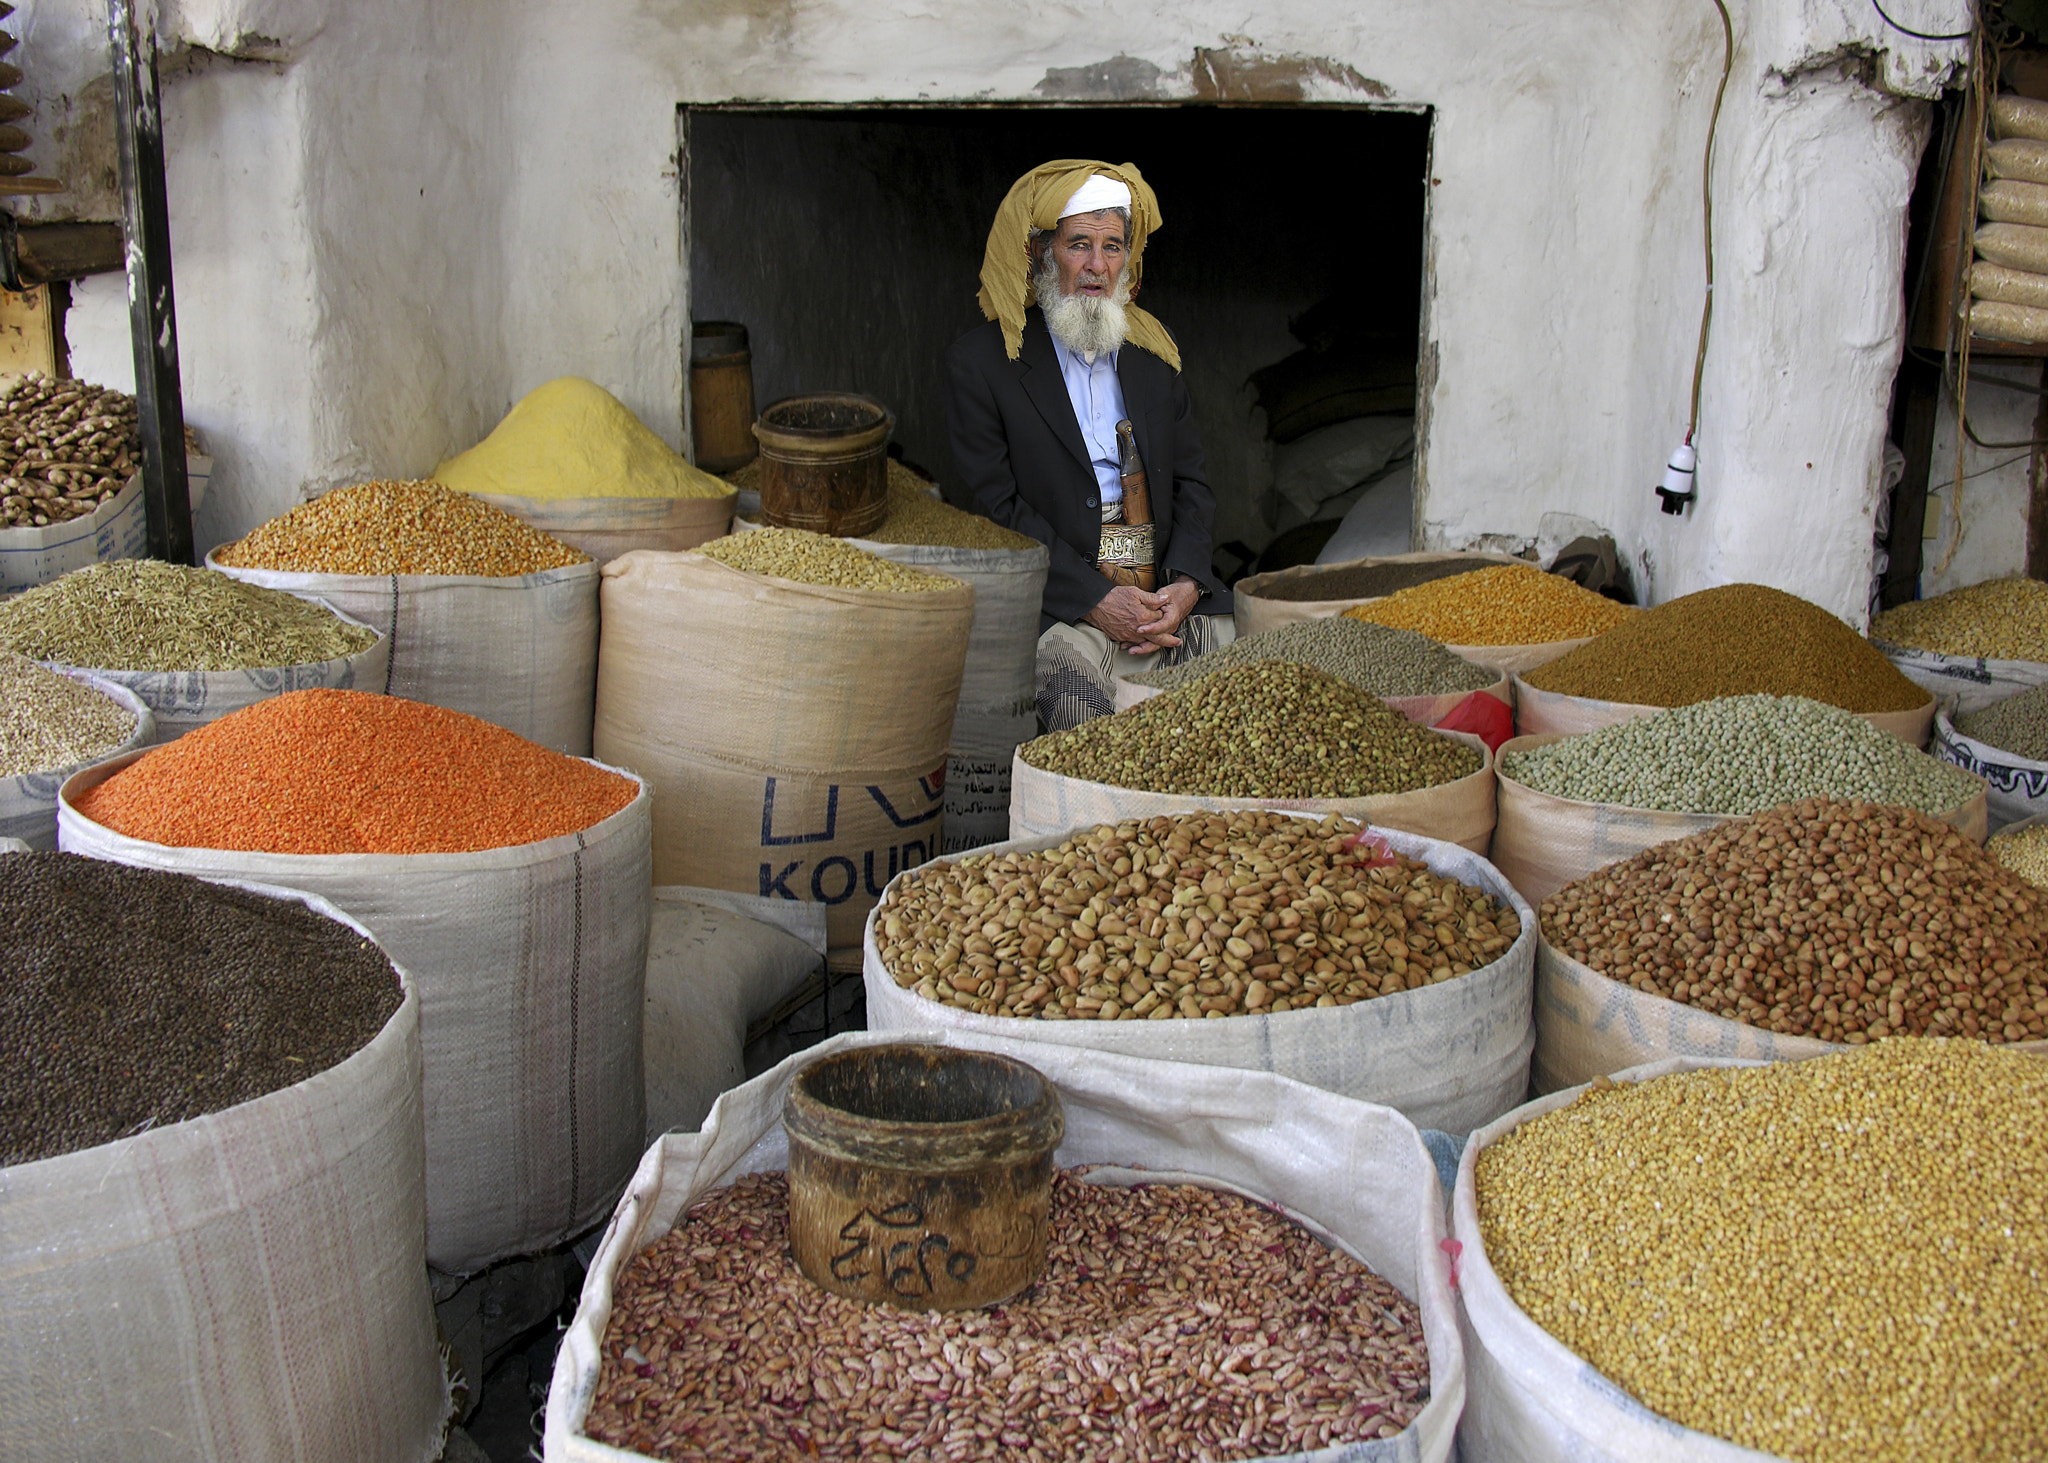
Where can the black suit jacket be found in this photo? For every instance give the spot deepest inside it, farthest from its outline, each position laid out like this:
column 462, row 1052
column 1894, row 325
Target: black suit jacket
column 1019, row 449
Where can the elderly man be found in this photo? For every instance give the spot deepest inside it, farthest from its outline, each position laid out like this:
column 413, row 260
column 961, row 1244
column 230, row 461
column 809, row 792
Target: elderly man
column 1035, row 398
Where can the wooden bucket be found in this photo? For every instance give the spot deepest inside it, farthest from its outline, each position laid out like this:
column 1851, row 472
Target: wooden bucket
column 824, row 463
column 721, row 396
column 920, row 1176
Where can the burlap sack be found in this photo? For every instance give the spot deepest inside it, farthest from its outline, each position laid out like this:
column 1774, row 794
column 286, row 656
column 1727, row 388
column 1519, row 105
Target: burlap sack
column 794, row 735
column 1461, row 812
column 1549, row 713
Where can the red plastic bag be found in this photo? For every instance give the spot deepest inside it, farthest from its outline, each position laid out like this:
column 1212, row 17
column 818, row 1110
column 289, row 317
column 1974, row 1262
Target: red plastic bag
column 1486, row 717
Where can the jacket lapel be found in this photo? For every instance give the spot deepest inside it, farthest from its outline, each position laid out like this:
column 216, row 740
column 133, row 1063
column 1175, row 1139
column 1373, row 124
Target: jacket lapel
column 1142, row 376
column 1040, row 369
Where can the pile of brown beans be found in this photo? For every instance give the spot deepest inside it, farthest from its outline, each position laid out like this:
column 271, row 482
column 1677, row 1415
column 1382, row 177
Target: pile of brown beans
column 1843, row 921
column 1196, row 915
column 1171, row 1322
column 65, row 448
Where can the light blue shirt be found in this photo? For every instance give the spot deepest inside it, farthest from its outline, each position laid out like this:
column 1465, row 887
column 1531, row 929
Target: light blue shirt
column 1098, row 399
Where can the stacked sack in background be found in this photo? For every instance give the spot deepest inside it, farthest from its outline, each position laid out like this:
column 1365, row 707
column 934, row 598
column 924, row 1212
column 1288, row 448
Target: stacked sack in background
column 2009, row 279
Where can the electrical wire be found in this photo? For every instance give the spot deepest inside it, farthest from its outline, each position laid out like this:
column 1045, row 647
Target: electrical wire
column 1699, row 362
column 1920, row 35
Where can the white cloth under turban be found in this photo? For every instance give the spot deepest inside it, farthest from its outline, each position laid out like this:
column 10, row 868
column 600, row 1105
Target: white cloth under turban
column 1099, row 192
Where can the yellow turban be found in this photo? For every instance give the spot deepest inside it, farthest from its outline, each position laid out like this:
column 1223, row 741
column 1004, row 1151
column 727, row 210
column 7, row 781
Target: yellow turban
column 1034, row 202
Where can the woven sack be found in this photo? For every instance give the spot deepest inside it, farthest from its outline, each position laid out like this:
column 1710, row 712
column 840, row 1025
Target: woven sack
column 248, row 1284
column 1542, row 842
column 1354, row 1174
column 1973, row 682
column 531, row 965
column 1448, row 1056
column 605, row 528
column 28, row 803
column 1550, row 713
column 520, row 653
column 793, row 735
column 183, row 701
column 1044, row 803
column 2018, row 787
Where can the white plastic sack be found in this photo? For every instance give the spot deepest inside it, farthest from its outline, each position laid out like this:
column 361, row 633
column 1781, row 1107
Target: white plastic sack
column 1588, row 1026
column 117, row 529
column 1552, row 713
column 1973, row 682
column 1529, row 1398
column 1542, row 842
column 1513, row 660
column 1044, row 803
column 250, row 1284
column 2018, row 787
column 1449, row 1056
column 793, row 735
column 183, row 701
column 605, row 528
column 531, row 965
column 711, row 973
column 1356, row 1175
column 28, row 803
column 1255, row 611
column 520, row 653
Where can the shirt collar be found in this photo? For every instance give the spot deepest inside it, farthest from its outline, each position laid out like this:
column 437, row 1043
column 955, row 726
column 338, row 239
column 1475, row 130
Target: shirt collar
column 1065, row 356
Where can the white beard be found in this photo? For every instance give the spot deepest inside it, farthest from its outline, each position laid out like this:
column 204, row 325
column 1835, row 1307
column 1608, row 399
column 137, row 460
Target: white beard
column 1088, row 325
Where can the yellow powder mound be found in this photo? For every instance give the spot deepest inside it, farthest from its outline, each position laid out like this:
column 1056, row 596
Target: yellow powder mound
column 573, row 439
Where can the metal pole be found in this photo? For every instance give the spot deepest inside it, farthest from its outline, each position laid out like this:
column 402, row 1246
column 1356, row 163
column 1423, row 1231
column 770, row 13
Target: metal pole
column 145, row 218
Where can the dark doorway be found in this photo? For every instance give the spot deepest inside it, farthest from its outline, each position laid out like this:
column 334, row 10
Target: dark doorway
column 1288, row 266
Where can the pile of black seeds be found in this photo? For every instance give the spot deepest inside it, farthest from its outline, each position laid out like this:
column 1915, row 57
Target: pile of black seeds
column 133, row 998
column 1367, row 581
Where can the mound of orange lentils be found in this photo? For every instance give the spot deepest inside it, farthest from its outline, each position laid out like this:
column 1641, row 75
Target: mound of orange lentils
column 349, row 772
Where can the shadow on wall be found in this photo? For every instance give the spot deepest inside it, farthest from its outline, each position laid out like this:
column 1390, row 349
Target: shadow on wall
column 849, row 242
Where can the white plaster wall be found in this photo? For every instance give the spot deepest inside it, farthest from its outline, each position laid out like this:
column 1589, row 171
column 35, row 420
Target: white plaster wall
column 459, row 201
column 1992, row 543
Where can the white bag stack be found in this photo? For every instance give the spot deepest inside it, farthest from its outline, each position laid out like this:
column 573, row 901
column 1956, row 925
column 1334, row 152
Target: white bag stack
column 2019, row 786
column 183, row 701
column 1551, row 713
column 1461, row 812
column 1449, row 1056
column 793, row 735
column 249, row 1284
column 28, row 803
column 1530, row 1398
column 1355, row 1174
column 520, row 653
column 531, row 964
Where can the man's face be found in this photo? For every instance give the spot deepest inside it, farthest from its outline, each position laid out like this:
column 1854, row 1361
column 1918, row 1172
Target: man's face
column 1089, row 253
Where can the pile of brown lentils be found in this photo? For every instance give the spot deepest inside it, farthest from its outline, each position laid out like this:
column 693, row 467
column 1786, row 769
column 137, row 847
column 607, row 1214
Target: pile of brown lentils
column 1843, row 921
column 1198, row 915
column 1170, row 1322
column 1833, row 1261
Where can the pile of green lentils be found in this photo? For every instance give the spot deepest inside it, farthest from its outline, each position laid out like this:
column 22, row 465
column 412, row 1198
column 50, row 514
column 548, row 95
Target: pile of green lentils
column 144, row 615
column 1736, row 640
column 1271, row 729
column 49, row 721
column 1741, row 754
column 2018, row 724
column 817, row 558
column 1849, row 922
column 1833, row 1261
column 1374, row 658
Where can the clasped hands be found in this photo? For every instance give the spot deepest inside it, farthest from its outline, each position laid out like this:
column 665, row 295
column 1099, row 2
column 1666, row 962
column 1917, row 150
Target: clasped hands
column 1143, row 620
